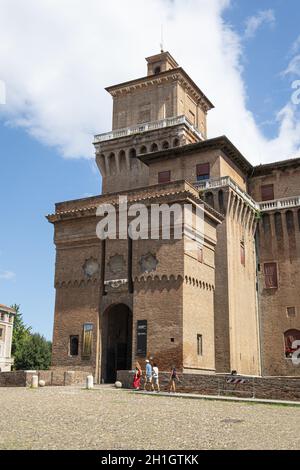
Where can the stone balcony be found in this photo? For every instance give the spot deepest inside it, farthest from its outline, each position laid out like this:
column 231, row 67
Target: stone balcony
column 277, row 204
column 148, row 126
column 227, row 181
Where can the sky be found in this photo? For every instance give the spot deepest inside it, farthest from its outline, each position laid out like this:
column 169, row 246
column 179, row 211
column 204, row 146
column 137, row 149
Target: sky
column 56, row 57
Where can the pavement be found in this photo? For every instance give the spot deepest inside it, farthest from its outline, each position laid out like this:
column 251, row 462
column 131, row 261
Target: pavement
column 197, row 396
column 118, row 419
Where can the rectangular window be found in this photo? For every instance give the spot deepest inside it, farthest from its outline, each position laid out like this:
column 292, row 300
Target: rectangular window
column 203, row 171
column 199, row 345
column 1, row 334
column 73, row 345
column 267, row 192
column 271, row 276
column 141, row 330
column 243, row 257
column 192, row 118
column 164, row 176
column 291, row 311
column 200, row 254
column 87, row 340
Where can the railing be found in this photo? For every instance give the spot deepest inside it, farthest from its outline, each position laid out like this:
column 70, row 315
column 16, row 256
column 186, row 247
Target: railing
column 148, row 126
column 227, row 181
column 280, row 203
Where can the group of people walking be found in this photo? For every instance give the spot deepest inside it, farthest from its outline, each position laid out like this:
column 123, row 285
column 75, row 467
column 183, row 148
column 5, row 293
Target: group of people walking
column 151, row 377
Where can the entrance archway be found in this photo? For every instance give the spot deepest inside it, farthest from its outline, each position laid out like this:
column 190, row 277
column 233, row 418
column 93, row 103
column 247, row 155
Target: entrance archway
column 116, row 341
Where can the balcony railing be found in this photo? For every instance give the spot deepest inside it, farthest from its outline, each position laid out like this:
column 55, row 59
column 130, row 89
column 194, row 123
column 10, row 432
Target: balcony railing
column 280, row 204
column 227, row 181
column 148, row 126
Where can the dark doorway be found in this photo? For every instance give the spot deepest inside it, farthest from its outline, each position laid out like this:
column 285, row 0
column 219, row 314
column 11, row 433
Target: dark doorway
column 116, row 341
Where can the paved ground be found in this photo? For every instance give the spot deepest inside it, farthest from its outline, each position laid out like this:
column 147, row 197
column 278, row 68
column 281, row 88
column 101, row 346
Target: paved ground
column 106, row 418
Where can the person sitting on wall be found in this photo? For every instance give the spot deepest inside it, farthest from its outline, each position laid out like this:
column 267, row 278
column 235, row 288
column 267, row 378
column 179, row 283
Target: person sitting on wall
column 148, row 376
column 137, row 376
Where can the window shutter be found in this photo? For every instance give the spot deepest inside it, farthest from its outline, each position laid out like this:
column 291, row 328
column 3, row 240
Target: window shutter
column 271, row 278
column 267, row 192
column 203, row 171
column 164, row 176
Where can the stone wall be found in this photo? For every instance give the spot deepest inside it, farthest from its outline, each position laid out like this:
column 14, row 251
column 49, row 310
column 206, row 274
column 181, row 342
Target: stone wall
column 279, row 388
column 22, row 378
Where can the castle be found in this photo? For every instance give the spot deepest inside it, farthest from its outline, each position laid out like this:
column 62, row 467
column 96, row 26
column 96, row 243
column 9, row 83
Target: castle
column 231, row 304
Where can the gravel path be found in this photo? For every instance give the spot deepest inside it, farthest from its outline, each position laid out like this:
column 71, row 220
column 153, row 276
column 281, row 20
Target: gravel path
column 106, row 418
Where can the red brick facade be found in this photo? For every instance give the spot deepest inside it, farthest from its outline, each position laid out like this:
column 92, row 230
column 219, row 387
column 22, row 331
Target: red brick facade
column 108, row 291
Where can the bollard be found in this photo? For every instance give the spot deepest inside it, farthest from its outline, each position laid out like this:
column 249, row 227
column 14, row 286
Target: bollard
column 34, row 381
column 89, row 382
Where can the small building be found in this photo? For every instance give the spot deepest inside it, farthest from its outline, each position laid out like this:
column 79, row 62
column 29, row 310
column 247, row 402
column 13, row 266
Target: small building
column 6, row 329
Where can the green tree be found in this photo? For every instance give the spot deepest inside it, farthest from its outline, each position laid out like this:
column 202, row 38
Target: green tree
column 30, row 351
column 36, row 353
column 21, row 334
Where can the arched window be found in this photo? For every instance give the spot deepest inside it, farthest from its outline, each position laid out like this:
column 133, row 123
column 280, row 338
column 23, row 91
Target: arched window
column 290, row 221
column 133, row 159
column 290, row 339
column 209, row 199
column 278, row 225
column 176, row 142
column 122, row 161
column 266, row 223
column 154, row 147
column 157, row 70
column 165, row 145
column 132, row 153
column 112, row 164
column 143, row 149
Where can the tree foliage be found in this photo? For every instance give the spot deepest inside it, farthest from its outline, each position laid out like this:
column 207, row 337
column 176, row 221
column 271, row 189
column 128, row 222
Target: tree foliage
column 29, row 350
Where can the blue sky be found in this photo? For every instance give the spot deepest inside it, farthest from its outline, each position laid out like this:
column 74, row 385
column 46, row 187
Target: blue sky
column 56, row 102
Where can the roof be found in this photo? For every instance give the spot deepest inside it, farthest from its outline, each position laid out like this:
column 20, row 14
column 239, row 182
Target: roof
column 7, row 309
column 162, row 54
column 151, row 78
column 218, row 143
column 180, row 189
column 267, row 168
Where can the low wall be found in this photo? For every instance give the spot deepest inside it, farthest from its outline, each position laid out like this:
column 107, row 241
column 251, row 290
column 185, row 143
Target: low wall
column 277, row 388
column 21, row 378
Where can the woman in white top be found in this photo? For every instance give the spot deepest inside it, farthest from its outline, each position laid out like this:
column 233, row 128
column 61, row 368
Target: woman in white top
column 155, row 377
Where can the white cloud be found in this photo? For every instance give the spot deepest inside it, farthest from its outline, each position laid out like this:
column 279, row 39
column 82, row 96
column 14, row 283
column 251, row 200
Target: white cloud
column 253, row 23
column 7, row 275
column 293, row 67
column 56, row 57
column 296, row 45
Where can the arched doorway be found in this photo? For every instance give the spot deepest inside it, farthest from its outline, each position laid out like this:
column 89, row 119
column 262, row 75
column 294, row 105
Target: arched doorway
column 116, row 341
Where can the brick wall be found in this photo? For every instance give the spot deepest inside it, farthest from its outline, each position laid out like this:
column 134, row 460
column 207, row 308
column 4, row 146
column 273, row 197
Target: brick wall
column 279, row 388
column 21, row 378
